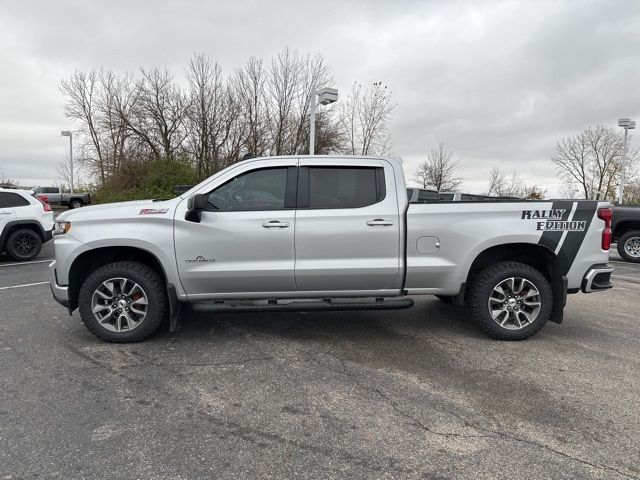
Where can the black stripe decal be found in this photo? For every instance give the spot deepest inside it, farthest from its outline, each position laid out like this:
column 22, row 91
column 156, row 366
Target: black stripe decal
column 550, row 239
column 585, row 211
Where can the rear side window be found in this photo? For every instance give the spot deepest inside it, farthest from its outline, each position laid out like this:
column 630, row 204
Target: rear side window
column 340, row 187
column 11, row 200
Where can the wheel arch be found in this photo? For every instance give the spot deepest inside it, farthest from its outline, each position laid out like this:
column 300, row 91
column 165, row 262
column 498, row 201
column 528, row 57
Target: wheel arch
column 90, row 260
column 14, row 225
column 624, row 226
column 537, row 256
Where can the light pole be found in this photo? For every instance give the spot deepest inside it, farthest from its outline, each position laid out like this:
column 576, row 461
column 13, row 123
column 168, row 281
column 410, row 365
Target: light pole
column 325, row 97
column 67, row 133
column 627, row 124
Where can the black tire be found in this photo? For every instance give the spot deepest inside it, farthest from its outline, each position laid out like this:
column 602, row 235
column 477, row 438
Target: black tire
column 622, row 241
column 76, row 203
column 23, row 244
column 482, row 287
column 153, row 286
column 445, row 298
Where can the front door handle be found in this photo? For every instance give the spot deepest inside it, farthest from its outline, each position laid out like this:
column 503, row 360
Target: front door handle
column 379, row 222
column 275, row 224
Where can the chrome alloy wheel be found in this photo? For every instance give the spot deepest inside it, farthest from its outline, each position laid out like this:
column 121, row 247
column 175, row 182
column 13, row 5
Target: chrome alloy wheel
column 119, row 304
column 514, row 303
column 632, row 247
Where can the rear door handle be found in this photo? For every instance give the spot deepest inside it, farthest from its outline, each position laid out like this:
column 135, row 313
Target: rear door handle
column 275, row 224
column 379, row 222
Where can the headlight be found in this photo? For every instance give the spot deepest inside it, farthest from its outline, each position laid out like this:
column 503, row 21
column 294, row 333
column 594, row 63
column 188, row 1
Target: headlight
column 60, row 228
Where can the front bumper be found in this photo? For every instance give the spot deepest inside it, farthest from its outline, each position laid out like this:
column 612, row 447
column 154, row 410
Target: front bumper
column 60, row 293
column 598, row 277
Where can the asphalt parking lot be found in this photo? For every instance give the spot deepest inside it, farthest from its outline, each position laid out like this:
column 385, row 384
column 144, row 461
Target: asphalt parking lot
column 418, row 393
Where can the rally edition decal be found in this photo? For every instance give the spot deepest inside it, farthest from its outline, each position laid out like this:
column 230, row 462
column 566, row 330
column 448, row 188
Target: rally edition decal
column 551, row 220
column 563, row 227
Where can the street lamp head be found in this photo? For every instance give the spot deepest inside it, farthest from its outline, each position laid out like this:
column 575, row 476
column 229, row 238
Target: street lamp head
column 65, row 133
column 327, row 95
column 632, row 125
column 624, row 122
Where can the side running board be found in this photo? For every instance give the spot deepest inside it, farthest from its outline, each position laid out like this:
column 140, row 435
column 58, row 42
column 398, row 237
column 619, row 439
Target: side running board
column 326, row 304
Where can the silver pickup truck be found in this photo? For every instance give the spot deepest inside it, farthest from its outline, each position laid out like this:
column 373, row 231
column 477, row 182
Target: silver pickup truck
column 324, row 233
column 55, row 196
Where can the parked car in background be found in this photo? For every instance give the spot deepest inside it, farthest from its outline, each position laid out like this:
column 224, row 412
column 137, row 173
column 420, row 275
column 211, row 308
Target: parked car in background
column 55, row 196
column 626, row 231
column 25, row 223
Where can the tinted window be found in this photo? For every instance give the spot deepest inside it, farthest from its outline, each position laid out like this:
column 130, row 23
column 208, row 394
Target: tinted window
column 344, row 187
column 8, row 200
column 256, row 190
column 50, row 190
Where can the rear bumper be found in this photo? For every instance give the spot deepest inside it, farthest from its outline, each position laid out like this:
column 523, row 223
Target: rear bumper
column 60, row 293
column 598, row 277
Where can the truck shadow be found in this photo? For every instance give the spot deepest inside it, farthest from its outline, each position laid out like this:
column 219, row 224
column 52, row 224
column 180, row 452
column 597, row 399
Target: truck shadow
column 360, row 326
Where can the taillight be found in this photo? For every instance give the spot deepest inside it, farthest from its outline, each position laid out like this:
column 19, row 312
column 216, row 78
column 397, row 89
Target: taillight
column 45, row 205
column 605, row 214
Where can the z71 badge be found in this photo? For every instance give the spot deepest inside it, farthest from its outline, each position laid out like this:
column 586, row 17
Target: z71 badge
column 153, row 211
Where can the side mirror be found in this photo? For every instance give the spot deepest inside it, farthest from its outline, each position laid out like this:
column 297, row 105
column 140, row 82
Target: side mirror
column 195, row 206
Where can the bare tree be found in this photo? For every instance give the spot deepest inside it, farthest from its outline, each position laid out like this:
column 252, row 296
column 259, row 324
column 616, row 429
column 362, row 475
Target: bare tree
column 81, row 105
column 512, row 186
column 438, row 171
column 365, row 114
column 212, row 120
column 7, row 182
column 591, row 161
column 157, row 113
column 63, row 169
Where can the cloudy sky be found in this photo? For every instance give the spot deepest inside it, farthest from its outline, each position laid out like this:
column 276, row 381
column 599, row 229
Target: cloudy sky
column 500, row 82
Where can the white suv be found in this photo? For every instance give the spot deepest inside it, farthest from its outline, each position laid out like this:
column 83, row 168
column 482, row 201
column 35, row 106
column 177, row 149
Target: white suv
column 25, row 223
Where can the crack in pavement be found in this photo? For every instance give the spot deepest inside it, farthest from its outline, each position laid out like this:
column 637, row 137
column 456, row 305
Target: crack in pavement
column 491, row 433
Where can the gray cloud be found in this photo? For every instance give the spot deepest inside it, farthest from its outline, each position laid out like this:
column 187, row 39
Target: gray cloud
column 500, row 82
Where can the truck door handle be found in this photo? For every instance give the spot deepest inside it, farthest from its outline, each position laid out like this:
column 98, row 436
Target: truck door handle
column 379, row 222
column 275, row 224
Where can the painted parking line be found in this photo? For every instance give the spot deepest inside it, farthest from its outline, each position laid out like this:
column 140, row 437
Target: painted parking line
column 26, row 263
column 24, row 285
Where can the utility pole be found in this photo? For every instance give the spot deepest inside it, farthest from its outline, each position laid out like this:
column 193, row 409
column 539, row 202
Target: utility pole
column 627, row 124
column 67, row 133
column 325, row 97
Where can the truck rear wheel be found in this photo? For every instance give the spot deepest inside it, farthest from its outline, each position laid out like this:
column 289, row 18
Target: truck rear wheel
column 510, row 300
column 123, row 302
column 76, row 203
column 629, row 246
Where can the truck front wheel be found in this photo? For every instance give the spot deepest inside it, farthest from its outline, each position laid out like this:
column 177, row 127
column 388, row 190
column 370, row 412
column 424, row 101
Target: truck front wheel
column 123, row 302
column 510, row 300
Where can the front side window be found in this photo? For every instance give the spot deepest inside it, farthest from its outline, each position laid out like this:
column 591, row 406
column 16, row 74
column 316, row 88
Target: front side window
column 12, row 200
column 255, row 190
column 345, row 187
